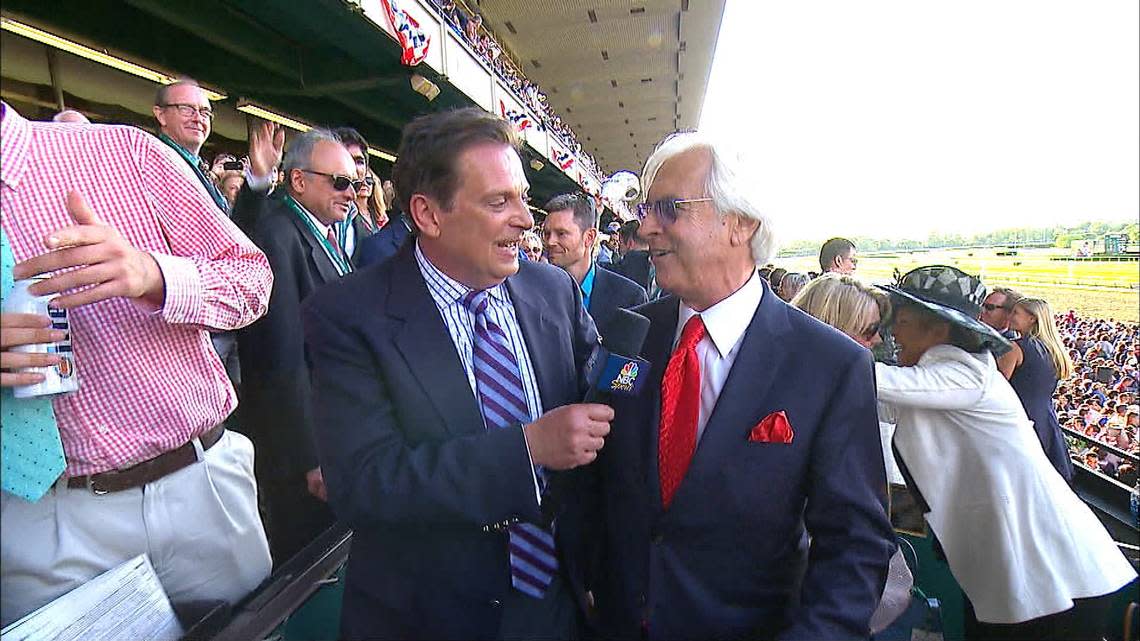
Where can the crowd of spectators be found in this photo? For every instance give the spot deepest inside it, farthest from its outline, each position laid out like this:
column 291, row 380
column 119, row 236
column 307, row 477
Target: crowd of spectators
column 470, row 28
column 1100, row 399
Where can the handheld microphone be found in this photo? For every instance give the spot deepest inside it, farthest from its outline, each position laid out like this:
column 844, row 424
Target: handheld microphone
column 613, row 368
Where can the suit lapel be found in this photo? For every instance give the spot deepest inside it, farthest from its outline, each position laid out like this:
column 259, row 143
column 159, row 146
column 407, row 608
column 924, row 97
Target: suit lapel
column 658, row 347
column 532, row 319
column 321, row 260
column 599, row 292
column 426, row 346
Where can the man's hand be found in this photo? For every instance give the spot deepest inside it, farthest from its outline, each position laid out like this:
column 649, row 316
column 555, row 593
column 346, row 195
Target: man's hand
column 569, row 436
column 25, row 329
column 109, row 266
column 316, row 483
column 266, row 147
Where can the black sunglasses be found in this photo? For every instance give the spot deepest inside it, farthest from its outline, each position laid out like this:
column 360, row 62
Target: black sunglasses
column 369, row 180
column 339, row 183
column 991, row 307
column 665, row 209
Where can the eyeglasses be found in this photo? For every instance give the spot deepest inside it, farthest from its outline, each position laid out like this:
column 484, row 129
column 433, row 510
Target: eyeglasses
column 665, row 209
column 989, row 307
column 189, row 111
column 339, row 183
column 369, row 180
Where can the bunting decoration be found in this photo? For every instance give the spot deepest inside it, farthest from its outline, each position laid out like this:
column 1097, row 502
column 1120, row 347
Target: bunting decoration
column 517, row 118
column 412, row 38
column 564, row 159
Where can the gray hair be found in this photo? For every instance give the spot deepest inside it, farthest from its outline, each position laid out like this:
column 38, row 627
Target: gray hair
column 299, row 153
column 726, row 185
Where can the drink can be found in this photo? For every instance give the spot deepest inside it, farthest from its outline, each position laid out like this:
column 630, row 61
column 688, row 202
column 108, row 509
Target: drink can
column 60, row 378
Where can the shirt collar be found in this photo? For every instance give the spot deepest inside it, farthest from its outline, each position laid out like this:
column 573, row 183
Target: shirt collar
column 321, row 227
column 726, row 321
column 445, row 290
column 15, row 141
column 588, row 281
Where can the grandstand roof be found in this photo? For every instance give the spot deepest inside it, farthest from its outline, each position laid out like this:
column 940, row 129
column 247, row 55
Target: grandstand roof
column 621, row 74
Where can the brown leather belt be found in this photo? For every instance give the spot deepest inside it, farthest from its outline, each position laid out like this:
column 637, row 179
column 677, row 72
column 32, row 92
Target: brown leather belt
column 147, row 471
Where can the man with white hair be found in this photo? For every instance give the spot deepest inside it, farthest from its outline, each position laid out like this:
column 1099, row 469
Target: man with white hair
column 744, row 490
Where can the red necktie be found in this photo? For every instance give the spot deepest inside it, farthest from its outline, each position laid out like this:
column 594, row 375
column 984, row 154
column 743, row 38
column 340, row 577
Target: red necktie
column 332, row 241
column 680, row 408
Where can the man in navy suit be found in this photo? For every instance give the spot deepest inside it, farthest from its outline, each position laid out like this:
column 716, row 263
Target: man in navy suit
column 569, row 234
column 447, row 381
column 296, row 232
column 744, row 496
column 384, row 244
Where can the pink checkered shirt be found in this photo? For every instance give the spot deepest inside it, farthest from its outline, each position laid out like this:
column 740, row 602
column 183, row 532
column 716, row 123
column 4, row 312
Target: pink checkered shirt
column 149, row 380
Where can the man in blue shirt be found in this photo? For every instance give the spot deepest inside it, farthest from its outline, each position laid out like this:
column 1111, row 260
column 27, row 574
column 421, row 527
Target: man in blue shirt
column 569, row 234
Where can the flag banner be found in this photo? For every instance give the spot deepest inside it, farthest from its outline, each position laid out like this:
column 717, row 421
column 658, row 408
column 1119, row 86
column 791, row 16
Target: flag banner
column 412, row 38
column 519, row 119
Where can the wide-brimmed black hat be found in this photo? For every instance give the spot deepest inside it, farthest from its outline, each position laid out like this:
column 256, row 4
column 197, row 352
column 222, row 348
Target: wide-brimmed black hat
column 953, row 295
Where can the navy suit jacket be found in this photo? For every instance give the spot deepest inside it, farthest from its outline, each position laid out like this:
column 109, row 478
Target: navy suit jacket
column 406, row 459
column 730, row 558
column 382, row 245
column 276, row 395
column 612, row 292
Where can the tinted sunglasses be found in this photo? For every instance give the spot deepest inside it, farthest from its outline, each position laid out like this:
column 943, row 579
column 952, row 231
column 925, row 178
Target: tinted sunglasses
column 339, row 183
column 369, row 180
column 665, row 209
column 991, row 307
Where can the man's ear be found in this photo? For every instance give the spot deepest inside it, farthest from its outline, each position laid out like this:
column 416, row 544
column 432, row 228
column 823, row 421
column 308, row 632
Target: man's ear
column 744, row 228
column 589, row 238
column 296, row 180
column 159, row 116
column 425, row 213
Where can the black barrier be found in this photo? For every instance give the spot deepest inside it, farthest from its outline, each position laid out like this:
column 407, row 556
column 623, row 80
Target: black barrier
column 286, row 590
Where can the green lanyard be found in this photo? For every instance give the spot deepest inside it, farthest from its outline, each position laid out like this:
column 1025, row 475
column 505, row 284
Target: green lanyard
column 338, row 260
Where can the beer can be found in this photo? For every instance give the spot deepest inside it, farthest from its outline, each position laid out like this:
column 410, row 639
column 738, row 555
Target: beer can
column 60, row 378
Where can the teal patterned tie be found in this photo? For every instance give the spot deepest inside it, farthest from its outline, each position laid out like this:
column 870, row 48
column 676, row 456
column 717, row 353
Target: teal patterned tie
column 30, row 449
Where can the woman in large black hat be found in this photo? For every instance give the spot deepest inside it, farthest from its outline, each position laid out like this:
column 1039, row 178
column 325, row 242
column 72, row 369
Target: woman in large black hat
column 1029, row 554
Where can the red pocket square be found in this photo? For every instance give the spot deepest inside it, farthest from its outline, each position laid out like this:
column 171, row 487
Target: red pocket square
column 775, row 428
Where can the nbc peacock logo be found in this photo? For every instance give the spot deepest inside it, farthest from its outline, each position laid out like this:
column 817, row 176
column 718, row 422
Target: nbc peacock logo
column 625, row 378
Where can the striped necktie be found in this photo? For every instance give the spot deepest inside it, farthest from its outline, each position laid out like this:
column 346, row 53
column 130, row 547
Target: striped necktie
column 503, row 401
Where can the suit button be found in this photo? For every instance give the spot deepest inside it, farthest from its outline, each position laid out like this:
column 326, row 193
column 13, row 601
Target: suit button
column 495, row 603
column 641, row 600
column 657, row 537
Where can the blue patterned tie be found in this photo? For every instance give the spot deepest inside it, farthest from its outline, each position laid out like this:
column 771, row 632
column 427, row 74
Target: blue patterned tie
column 32, row 454
column 503, row 401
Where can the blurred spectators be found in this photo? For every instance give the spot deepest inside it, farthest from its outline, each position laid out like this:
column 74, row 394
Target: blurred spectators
column 485, row 45
column 370, row 201
column 1099, row 399
column 791, row 284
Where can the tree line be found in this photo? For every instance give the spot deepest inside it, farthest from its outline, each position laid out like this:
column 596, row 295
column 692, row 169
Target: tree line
column 1060, row 236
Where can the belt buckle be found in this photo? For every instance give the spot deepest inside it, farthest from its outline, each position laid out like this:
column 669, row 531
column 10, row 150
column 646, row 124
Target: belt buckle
column 91, row 486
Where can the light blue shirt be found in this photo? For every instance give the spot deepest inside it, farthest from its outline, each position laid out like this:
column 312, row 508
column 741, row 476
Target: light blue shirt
column 588, row 286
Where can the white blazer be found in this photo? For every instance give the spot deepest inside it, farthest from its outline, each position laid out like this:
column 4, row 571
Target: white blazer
column 1020, row 543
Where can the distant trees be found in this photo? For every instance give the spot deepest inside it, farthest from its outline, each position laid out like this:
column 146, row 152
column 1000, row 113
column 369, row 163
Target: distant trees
column 1056, row 236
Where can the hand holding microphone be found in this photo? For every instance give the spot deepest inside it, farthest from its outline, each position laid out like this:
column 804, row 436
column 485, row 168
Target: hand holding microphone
column 571, row 435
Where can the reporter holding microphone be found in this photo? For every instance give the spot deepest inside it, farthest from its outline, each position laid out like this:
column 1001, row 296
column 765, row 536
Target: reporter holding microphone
column 449, row 427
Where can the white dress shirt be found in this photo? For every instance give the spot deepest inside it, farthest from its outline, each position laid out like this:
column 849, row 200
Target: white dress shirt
column 725, row 324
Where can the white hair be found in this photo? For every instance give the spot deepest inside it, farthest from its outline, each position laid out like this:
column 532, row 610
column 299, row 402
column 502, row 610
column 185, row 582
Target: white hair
column 726, row 184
